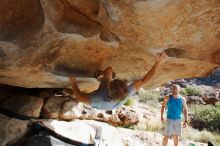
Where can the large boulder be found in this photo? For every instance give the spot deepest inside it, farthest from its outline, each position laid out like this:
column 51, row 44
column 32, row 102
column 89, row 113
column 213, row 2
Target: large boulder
column 77, row 110
column 24, row 105
column 11, row 129
column 43, row 41
column 86, row 131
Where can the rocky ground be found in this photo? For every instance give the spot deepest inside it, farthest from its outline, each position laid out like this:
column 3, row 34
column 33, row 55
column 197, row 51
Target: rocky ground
column 145, row 138
column 208, row 90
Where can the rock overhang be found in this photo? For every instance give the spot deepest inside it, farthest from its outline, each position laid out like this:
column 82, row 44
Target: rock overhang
column 41, row 40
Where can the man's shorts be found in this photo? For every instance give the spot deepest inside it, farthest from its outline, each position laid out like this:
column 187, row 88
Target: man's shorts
column 173, row 127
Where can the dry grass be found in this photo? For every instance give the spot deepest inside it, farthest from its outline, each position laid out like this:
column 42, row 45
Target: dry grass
column 201, row 136
column 150, row 97
column 153, row 126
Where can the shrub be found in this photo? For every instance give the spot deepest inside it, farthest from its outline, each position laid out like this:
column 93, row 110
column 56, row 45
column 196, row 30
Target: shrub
column 151, row 97
column 191, row 91
column 206, row 116
column 129, row 102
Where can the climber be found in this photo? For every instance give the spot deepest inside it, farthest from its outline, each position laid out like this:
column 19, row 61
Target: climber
column 113, row 93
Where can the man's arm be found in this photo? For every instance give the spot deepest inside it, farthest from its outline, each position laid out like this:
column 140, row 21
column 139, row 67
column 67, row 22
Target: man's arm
column 107, row 77
column 185, row 112
column 140, row 83
column 77, row 93
column 166, row 98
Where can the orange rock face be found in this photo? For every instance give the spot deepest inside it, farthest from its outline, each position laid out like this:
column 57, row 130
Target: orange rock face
column 43, row 41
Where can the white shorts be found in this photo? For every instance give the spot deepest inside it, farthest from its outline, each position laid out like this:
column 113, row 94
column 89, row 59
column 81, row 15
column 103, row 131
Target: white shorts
column 173, row 127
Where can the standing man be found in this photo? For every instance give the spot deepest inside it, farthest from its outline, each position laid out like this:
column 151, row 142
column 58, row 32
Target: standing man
column 175, row 104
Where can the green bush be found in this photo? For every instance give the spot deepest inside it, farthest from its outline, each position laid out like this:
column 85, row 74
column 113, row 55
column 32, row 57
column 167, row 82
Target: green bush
column 206, row 116
column 129, row 102
column 132, row 127
column 150, row 97
column 191, row 91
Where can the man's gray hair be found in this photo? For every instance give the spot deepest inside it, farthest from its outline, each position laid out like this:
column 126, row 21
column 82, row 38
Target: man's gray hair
column 177, row 86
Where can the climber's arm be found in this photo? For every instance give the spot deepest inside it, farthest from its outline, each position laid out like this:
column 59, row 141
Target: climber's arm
column 107, row 77
column 141, row 82
column 77, row 93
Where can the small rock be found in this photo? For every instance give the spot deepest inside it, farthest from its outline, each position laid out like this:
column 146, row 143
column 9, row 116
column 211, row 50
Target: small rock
column 53, row 106
column 125, row 117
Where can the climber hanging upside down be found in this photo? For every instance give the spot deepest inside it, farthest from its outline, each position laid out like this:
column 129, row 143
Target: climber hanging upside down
column 112, row 93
